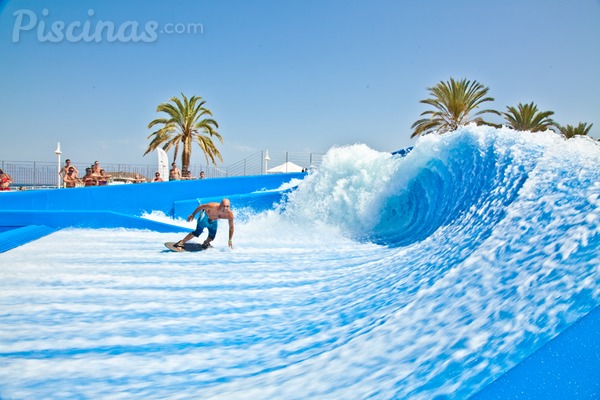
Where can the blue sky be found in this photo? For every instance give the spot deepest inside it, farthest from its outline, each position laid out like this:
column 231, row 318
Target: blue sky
column 298, row 76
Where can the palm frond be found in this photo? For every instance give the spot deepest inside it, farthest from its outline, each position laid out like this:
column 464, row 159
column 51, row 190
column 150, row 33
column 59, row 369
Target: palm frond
column 570, row 131
column 527, row 117
column 184, row 125
column 455, row 102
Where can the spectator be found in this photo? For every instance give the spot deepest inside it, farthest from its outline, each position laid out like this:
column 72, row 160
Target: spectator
column 71, row 179
column 96, row 168
column 65, row 170
column 138, row 179
column 187, row 175
column 89, row 179
column 157, row 178
column 202, row 176
column 103, row 178
column 174, row 173
column 5, row 181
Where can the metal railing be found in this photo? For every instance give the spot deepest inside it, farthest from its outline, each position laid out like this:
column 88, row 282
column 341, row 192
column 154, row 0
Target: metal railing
column 42, row 174
column 261, row 162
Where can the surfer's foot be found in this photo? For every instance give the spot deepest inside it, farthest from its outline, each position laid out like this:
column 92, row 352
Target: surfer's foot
column 179, row 245
column 206, row 245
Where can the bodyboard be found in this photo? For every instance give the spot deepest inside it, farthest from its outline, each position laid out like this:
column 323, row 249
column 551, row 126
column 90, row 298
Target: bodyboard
column 187, row 247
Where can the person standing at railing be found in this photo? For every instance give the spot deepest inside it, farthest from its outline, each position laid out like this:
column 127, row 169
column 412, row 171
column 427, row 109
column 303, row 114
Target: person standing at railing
column 96, row 168
column 138, row 179
column 71, row 180
column 89, row 179
column 102, row 177
column 174, row 173
column 157, row 177
column 187, row 175
column 5, row 181
column 65, row 170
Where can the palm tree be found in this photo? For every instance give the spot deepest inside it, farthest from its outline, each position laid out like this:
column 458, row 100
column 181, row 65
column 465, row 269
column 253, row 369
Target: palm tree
column 186, row 124
column 528, row 118
column 569, row 131
column 454, row 102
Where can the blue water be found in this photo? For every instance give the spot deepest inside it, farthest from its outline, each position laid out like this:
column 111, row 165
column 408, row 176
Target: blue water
column 380, row 277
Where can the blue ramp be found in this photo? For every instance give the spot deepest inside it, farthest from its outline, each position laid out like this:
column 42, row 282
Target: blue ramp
column 567, row 367
column 19, row 236
column 59, row 219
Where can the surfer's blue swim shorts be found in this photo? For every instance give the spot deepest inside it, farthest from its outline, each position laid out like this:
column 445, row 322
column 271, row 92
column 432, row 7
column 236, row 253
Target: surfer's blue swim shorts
column 205, row 222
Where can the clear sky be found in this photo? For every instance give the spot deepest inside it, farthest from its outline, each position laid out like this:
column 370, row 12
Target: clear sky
column 298, row 76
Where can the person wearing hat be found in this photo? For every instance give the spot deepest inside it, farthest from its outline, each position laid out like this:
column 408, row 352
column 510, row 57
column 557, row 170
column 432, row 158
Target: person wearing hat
column 5, row 181
column 174, row 173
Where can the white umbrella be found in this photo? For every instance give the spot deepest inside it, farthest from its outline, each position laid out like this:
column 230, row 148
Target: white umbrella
column 285, row 167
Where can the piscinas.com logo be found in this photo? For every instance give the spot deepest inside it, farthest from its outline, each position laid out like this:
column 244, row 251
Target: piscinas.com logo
column 28, row 24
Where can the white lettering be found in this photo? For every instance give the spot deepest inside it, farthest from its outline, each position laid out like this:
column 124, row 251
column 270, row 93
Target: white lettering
column 193, row 28
column 126, row 26
column 88, row 31
column 87, row 28
column 18, row 26
column 149, row 35
column 110, row 31
column 55, row 33
column 70, row 32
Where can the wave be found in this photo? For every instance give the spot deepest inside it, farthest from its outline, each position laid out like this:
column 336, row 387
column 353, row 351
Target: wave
column 466, row 182
column 492, row 240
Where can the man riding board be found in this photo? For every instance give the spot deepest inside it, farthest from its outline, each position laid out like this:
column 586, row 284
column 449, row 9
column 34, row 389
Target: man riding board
column 210, row 213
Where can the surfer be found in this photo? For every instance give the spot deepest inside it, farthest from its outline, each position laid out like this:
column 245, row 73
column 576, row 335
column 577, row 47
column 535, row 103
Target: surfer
column 210, row 213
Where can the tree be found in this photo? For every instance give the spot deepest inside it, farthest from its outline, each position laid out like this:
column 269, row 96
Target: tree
column 454, row 102
column 186, row 123
column 526, row 117
column 569, row 131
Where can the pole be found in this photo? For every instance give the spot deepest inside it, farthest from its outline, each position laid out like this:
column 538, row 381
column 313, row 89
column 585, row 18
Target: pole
column 267, row 158
column 58, row 153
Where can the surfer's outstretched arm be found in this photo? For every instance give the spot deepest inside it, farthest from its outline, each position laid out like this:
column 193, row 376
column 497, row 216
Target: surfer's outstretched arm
column 196, row 211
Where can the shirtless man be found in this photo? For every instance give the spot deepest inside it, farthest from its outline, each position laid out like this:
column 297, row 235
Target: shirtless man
column 89, row 179
column 174, row 173
column 157, row 177
column 210, row 213
column 103, row 177
column 71, row 178
column 138, row 179
column 65, row 170
column 96, row 168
